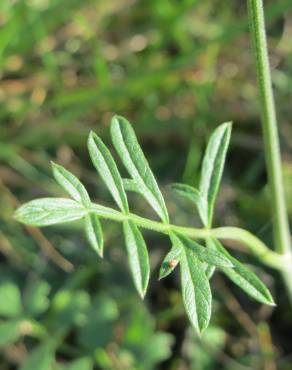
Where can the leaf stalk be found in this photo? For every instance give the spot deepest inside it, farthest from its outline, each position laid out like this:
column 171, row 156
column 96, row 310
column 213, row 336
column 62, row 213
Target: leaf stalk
column 255, row 245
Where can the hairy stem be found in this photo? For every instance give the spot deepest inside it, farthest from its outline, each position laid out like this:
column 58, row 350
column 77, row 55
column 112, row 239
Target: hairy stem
column 269, row 124
column 271, row 137
column 255, row 245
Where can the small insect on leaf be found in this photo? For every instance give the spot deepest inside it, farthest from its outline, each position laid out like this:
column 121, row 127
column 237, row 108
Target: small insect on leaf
column 172, row 263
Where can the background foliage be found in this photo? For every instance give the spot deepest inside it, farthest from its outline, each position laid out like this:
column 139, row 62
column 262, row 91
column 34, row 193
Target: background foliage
column 176, row 69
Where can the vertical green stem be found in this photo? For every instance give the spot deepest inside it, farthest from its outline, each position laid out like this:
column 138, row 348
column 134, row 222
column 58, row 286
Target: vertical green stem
column 270, row 133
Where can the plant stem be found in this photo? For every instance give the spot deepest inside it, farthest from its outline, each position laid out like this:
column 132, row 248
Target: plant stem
column 271, row 137
column 255, row 245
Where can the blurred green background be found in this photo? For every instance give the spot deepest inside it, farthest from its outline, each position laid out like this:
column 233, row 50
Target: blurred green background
column 176, row 69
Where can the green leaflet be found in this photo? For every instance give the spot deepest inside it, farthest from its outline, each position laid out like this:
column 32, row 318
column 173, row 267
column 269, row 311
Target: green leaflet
column 137, row 255
column 212, row 169
column 243, row 277
column 131, row 185
column 76, row 189
column 210, row 269
column 49, row 211
column 196, row 290
column 197, row 263
column 212, row 257
column 186, row 191
column 93, row 233
column 107, row 169
column 71, row 184
column 131, row 154
column 170, row 261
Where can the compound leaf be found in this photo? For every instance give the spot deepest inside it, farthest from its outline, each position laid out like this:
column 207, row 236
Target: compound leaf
column 49, row 211
column 71, row 184
column 131, row 154
column 197, row 263
column 107, row 169
column 137, row 255
column 243, row 277
column 212, row 169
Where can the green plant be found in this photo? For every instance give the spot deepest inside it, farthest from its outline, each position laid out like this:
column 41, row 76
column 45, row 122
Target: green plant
column 197, row 262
